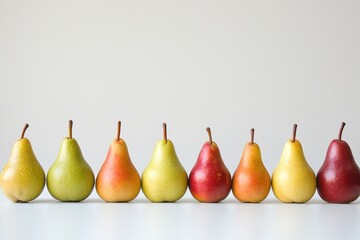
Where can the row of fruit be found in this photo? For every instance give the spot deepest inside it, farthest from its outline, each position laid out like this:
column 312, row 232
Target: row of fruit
column 71, row 179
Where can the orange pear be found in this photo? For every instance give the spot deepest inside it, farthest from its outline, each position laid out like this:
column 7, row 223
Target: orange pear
column 118, row 180
column 251, row 181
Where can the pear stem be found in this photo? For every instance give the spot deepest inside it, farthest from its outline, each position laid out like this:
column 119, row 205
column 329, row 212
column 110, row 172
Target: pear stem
column 210, row 137
column 118, row 131
column 164, row 132
column 252, row 135
column 341, row 130
column 294, row 133
column 24, row 130
column 70, row 128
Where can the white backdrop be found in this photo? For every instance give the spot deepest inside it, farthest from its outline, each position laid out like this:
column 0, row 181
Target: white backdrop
column 229, row 65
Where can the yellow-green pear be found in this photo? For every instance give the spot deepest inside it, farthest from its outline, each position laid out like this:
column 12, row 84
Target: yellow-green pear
column 23, row 178
column 70, row 178
column 164, row 179
column 293, row 180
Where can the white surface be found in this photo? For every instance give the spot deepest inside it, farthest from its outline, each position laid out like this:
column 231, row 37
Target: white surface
column 186, row 219
column 231, row 65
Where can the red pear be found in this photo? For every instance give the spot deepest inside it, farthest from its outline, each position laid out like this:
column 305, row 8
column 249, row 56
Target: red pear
column 338, row 180
column 210, row 180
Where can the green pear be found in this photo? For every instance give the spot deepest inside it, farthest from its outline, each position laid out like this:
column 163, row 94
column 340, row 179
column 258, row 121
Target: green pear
column 70, row 178
column 293, row 179
column 23, row 178
column 164, row 179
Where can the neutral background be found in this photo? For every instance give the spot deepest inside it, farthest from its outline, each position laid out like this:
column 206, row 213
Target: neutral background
column 229, row 65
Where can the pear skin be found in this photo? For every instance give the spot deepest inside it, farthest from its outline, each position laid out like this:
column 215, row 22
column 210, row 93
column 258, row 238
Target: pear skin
column 23, row 178
column 293, row 179
column 70, row 178
column 338, row 179
column 209, row 179
column 118, row 180
column 251, row 181
column 164, row 179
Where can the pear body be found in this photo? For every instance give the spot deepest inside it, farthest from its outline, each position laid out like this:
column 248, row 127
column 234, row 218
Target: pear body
column 251, row 181
column 293, row 179
column 338, row 180
column 23, row 178
column 209, row 179
column 70, row 178
column 164, row 179
column 118, row 180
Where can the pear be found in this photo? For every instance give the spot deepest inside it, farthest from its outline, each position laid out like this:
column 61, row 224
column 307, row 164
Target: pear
column 23, row 178
column 251, row 181
column 70, row 178
column 293, row 180
column 118, row 180
column 164, row 179
column 210, row 180
column 338, row 180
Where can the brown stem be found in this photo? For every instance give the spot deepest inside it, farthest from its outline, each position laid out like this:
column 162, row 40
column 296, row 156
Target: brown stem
column 341, row 130
column 24, row 130
column 118, row 131
column 164, row 132
column 294, row 133
column 210, row 137
column 252, row 135
column 70, row 128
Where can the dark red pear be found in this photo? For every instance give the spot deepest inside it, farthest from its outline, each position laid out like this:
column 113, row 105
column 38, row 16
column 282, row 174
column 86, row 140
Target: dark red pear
column 338, row 180
column 210, row 180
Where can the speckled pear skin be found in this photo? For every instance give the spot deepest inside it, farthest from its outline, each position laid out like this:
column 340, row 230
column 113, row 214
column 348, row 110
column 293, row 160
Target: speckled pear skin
column 210, row 179
column 23, row 178
column 70, row 178
column 293, row 180
column 338, row 179
column 164, row 179
column 118, row 180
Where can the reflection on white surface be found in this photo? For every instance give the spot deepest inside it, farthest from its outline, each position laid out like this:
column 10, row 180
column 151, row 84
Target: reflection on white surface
column 187, row 219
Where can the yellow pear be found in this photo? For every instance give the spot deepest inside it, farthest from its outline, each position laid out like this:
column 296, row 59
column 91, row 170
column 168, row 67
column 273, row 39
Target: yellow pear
column 164, row 179
column 23, row 178
column 293, row 180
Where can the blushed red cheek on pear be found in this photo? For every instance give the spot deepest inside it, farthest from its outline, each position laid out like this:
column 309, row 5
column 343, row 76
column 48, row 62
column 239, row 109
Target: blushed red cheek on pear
column 210, row 180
